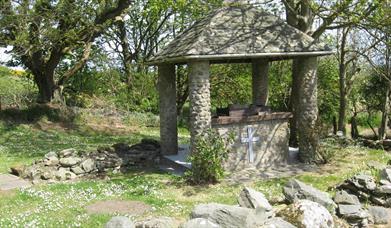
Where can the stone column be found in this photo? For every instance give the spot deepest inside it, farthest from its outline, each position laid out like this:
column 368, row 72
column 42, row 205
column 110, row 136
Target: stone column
column 307, row 111
column 260, row 81
column 168, row 111
column 199, row 86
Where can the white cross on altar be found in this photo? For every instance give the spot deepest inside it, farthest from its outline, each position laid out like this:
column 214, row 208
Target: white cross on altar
column 250, row 140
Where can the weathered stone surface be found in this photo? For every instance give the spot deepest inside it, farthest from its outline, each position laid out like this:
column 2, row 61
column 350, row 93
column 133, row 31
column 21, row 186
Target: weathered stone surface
column 342, row 197
column 250, row 198
column 69, row 164
column 51, row 161
column 384, row 189
column 384, row 182
column 48, row 173
column 351, row 212
column 359, row 182
column 238, row 30
column 380, row 215
column 307, row 110
column 67, row 153
column 200, row 223
column 260, row 81
column 385, row 174
column 296, row 190
column 277, row 222
column 267, row 153
column 10, row 182
column 88, row 165
column 159, row 222
column 64, row 174
column 308, row 214
column 168, row 109
column 69, row 161
column 120, row 222
column 229, row 216
column 77, row 170
column 51, row 154
column 199, row 96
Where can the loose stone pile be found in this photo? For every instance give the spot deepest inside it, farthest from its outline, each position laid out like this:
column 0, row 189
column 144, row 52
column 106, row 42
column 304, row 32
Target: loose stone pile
column 307, row 207
column 364, row 188
column 70, row 164
column 347, row 202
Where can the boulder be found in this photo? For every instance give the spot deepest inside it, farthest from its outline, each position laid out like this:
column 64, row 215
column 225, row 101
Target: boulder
column 352, row 212
column 342, row 197
column 296, row 190
column 250, row 198
column 64, row 174
column 384, row 189
column 50, row 154
column 354, row 215
column 17, row 170
column 360, row 183
column 48, row 173
column 199, row 223
column 69, row 161
column 380, row 215
column 51, row 161
column 384, row 182
column 230, row 216
column 120, row 222
column 385, row 174
column 88, row 165
column 159, row 222
column 77, row 170
column 308, row 214
column 67, row 153
column 277, row 222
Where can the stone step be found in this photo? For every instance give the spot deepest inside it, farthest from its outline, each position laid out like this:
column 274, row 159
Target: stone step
column 10, row 182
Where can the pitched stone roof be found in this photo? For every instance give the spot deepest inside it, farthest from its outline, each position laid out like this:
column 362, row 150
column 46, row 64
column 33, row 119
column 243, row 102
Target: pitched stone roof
column 239, row 32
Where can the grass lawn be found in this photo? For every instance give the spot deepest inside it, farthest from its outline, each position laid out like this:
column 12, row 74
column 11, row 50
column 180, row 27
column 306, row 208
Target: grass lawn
column 63, row 205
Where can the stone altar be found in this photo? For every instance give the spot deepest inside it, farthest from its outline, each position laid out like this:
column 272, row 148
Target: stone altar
column 260, row 139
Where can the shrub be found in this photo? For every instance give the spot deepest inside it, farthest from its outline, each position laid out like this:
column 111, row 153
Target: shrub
column 207, row 160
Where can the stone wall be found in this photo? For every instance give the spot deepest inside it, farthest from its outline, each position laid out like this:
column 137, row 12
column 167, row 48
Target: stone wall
column 271, row 149
column 199, row 86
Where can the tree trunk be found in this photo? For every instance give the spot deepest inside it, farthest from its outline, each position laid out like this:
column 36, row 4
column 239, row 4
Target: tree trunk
column 385, row 110
column 46, row 86
column 126, row 54
column 307, row 117
column 342, row 98
column 354, row 128
column 386, row 104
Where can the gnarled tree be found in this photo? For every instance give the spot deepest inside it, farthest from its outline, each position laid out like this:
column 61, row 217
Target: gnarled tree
column 42, row 33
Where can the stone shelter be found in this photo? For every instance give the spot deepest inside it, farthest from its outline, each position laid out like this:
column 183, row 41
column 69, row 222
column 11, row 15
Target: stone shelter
column 236, row 34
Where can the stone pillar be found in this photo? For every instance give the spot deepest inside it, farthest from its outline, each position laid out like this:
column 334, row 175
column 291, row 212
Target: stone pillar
column 199, row 86
column 168, row 111
column 260, row 81
column 307, row 111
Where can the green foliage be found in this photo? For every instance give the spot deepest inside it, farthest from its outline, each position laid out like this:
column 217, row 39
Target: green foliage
column 96, row 89
column 280, row 82
column 373, row 91
column 16, row 88
column 207, row 160
column 328, row 89
column 230, row 84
